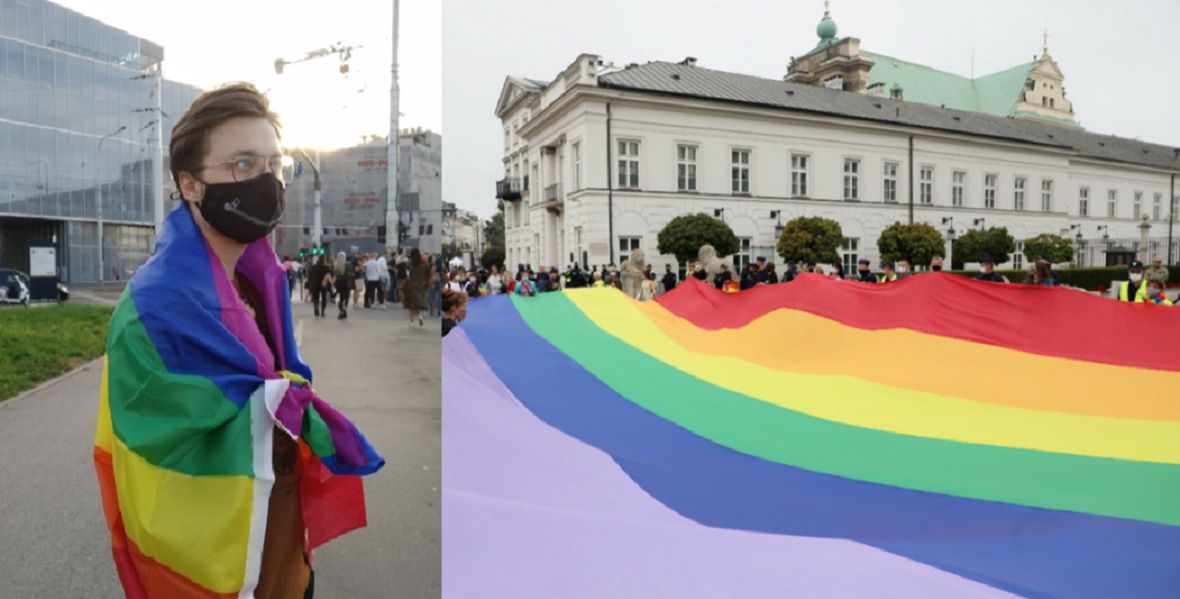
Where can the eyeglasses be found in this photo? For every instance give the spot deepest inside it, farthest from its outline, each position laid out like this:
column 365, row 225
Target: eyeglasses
column 245, row 167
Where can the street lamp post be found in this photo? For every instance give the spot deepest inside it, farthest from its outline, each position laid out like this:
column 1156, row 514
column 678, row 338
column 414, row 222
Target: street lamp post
column 317, row 213
column 98, row 194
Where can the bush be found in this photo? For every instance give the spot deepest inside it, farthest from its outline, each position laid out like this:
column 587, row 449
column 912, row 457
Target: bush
column 918, row 243
column 1090, row 279
column 811, row 239
column 976, row 243
column 684, row 235
column 1057, row 247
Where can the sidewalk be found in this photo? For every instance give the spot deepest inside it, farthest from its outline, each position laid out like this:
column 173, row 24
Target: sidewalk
column 381, row 373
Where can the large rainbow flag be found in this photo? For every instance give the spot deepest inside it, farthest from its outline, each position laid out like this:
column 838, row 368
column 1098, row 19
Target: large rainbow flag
column 189, row 405
column 933, row 437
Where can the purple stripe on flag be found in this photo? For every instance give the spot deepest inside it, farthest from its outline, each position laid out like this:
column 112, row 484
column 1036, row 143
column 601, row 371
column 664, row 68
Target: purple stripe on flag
column 531, row 512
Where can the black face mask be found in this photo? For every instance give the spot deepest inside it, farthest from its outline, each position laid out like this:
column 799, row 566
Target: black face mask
column 936, row 267
column 244, row 211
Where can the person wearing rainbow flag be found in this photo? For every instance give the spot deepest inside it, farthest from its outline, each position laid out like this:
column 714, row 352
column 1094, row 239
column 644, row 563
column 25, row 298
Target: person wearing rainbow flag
column 219, row 466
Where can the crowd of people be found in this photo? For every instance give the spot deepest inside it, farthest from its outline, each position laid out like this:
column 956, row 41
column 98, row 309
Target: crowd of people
column 1142, row 285
column 370, row 281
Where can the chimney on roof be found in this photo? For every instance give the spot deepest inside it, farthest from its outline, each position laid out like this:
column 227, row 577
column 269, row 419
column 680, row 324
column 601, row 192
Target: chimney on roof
column 689, row 61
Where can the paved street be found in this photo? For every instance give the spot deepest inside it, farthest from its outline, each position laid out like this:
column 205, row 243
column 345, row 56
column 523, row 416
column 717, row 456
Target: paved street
column 381, row 373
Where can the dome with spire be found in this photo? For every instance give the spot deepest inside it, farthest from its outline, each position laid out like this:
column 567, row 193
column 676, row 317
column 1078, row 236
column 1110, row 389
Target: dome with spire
column 826, row 30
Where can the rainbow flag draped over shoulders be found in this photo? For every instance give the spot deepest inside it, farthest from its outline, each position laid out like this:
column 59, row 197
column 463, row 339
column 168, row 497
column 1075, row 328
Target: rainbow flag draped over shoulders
column 188, row 409
column 937, row 436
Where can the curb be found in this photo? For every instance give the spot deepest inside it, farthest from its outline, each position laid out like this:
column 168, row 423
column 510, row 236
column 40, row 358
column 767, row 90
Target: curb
column 51, row 382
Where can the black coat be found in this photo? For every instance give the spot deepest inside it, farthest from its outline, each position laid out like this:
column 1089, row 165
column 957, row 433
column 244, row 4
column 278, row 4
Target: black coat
column 669, row 281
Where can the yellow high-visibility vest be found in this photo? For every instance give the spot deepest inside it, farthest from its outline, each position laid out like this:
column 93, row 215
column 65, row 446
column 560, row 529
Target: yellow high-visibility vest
column 1139, row 295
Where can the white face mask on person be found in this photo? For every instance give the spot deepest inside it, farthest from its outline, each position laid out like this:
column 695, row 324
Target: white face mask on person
column 901, row 270
column 1154, row 291
column 1136, row 277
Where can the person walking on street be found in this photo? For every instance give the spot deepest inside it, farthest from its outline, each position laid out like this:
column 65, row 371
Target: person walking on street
column 382, row 280
column 343, row 280
column 372, row 270
column 1133, row 289
column 317, row 282
column 414, row 299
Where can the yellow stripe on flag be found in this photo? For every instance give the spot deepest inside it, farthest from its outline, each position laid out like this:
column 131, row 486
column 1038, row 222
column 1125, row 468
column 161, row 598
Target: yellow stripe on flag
column 851, row 400
column 201, row 529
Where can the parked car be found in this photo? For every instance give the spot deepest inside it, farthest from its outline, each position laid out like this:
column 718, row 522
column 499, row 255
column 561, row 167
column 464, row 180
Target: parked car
column 14, row 288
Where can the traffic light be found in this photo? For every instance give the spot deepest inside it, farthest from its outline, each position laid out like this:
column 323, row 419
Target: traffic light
column 302, row 254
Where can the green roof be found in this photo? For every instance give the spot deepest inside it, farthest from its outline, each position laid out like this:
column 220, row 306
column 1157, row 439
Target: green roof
column 996, row 94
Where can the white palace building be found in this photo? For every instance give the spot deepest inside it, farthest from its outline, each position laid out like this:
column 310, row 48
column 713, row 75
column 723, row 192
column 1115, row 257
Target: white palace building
column 598, row 160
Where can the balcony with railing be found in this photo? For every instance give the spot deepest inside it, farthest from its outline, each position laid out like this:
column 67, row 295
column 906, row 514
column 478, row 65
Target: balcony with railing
column 553, row 199
column 508, row 188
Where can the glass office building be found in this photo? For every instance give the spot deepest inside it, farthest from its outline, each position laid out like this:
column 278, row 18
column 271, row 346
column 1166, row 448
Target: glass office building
column 78, row 119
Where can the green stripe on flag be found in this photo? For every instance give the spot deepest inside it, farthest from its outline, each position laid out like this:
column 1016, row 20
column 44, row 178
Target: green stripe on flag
column 1109, row 487
column 174, row 421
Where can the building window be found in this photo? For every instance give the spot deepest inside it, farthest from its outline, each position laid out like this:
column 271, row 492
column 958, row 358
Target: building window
column 799, row 175
column 580, row 256
column 926, row 185
column 957, row 180
column 742, row 258
column 577, row 166
column 1084, row 201
column 1112, row 202
column 851, row 179
column 1046, row 195
column 849, row 251
column 989, row 191
column 629, row 165
column 741, row 170
column 890, row 182
column 507, row 138
column 626, row 246
column 1018, row 193
column 686, row 168
column 1157, row 203
column 1018, row 256
column 1137, row 205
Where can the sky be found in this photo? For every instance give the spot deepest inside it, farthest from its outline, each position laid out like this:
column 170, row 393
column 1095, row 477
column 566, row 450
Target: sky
column 211, row 42
column 1119, row 57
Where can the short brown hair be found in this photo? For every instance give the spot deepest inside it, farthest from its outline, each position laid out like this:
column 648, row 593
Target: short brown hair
column 452, row 298
column 190, row 136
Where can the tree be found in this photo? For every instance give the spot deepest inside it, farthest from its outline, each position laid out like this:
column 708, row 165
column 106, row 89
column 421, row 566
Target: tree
column 493, row 228
column 492, row 256
column 684, row 235
column 811, row 239
column 1058, row 248
column 451, row 250
column 994, row 242
column 918, row 243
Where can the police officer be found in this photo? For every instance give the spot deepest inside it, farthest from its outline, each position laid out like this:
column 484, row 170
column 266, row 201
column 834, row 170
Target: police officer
column 1133, row 290
column 863, row 274
column 987, row 270
column 888, row 275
